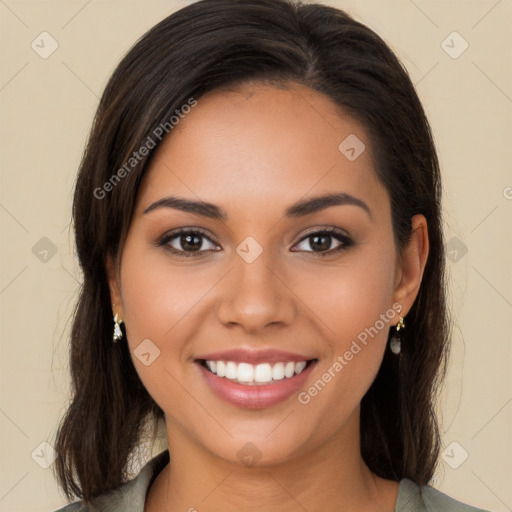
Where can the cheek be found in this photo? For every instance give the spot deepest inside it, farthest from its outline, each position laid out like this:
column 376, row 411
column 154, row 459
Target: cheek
column 167, row 304
column 158, row 304
column 352, row 296
column 157, row 296
column 354, row 307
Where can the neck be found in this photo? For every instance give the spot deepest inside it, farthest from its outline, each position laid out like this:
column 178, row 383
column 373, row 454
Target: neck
column 332, row 476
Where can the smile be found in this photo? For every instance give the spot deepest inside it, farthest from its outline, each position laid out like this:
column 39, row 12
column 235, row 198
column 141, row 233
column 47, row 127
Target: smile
column 251, row 374
column 255, row 386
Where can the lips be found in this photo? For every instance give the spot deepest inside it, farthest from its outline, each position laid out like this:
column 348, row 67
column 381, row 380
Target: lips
column 277, row 375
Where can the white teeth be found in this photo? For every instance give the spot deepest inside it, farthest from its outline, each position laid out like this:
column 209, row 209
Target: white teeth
column 278, row 371
column 231, row 370
column 289, row 369
column 300, row 366
column 221, row 369
column 263, row 373
column 245, row 372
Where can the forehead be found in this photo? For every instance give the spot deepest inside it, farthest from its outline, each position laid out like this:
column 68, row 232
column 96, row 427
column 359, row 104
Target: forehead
column 262, row 144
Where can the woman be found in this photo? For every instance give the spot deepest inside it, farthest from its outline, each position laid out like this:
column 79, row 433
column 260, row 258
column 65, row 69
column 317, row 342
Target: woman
column 257, row 217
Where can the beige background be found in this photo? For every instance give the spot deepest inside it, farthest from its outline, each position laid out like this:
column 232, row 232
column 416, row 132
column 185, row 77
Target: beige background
column 47, row 106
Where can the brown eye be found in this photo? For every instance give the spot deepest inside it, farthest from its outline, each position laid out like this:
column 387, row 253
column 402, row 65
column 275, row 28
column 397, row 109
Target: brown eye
column 187, row 243
column 321, row 241
column 190, row 242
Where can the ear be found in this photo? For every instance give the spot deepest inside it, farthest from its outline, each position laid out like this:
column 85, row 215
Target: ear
column 115, row 287
column 411, row 265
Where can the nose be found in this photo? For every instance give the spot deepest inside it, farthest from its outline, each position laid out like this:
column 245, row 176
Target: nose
column 255, row 296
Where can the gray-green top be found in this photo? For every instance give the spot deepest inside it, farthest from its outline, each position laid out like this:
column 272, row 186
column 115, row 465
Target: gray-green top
column 131, row 496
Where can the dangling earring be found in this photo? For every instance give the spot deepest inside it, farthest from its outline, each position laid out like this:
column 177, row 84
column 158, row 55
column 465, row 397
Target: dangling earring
column 118, row 334
column 395, row 344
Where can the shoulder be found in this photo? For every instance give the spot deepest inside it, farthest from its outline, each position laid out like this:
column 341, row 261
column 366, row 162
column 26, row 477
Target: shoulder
column 414, row 498
column 130, row 496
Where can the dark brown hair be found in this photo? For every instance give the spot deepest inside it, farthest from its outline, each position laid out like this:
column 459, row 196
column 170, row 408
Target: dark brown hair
column 221, row 43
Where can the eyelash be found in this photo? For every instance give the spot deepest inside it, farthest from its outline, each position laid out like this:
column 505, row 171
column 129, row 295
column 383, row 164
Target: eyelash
column 333, row 232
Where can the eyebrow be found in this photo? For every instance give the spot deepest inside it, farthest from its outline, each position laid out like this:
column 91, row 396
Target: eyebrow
column 299, row 209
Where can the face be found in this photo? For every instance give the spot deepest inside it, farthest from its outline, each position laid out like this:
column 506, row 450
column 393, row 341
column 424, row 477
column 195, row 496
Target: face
column 318, row 282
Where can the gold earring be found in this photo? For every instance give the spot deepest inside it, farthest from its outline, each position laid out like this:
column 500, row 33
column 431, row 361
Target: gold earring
column 395, row 343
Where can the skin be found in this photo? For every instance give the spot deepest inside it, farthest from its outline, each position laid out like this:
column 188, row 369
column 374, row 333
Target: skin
column 255, row 151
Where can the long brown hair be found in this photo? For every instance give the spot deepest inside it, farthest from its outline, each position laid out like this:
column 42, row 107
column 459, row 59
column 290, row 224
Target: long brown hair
column 221, row 43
